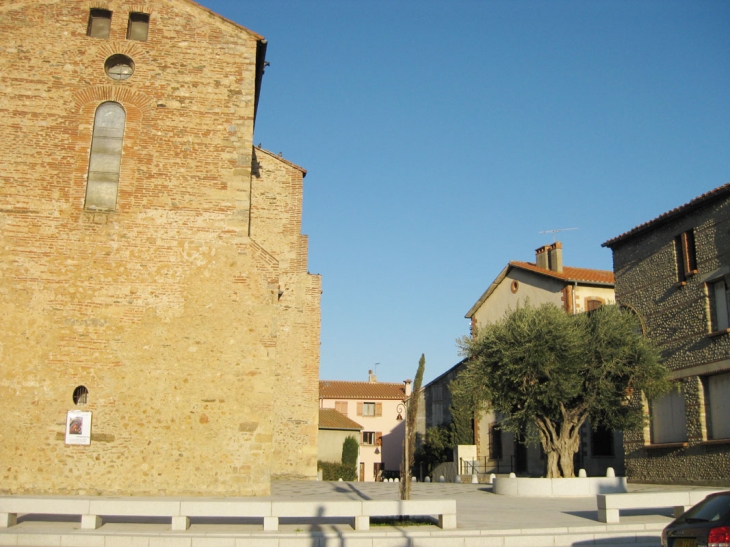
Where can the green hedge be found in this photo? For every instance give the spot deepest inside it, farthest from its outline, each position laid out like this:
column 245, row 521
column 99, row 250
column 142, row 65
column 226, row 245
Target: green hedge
column 332, row 471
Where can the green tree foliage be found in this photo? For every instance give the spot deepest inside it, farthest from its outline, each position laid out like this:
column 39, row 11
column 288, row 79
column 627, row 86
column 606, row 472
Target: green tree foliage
column 350, row 451
column 544, row 368
column 463, row 407
column 410, row 433
column 436, row 447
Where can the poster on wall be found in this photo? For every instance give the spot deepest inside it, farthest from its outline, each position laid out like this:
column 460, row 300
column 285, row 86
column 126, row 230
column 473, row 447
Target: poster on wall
column 78, row 427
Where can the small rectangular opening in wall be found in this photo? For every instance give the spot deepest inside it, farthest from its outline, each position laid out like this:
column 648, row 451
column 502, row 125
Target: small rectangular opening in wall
column 684, row 245
column 139, row 24
column 100, row 23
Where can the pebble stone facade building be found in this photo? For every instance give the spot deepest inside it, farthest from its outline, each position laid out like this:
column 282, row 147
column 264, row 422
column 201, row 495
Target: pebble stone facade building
column 674, row 272
column 159, row 331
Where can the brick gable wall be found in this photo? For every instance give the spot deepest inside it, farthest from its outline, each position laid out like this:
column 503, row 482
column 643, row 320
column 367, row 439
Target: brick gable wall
column 164, row 309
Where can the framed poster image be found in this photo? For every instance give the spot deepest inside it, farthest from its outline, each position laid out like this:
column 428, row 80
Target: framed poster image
column 78, row 427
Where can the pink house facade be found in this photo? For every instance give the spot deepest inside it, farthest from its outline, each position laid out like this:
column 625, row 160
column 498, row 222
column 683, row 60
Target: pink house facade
column 379, row 408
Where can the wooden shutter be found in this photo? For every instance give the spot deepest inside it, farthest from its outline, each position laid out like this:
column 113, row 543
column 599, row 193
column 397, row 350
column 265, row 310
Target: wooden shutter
column 378, row 409
column 378, row 438
column 359, row 409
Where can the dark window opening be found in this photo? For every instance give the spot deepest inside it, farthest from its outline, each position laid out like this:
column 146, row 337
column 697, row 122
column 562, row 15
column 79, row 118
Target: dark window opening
column 684, row 246
column 138, row 27
column 81, row 395
column 495, row 442
column 100, row 23
column 719, row 293
column 601, row 442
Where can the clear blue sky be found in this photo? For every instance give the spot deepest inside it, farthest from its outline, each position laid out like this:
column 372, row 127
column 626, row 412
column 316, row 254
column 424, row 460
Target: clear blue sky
column 440, row 138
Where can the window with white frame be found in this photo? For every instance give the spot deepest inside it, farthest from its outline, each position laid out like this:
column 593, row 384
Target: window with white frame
column 370, row 409
column 372, row 438
column 669, row 418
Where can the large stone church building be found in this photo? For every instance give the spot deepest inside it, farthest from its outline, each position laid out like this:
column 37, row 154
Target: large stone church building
column 159, row 331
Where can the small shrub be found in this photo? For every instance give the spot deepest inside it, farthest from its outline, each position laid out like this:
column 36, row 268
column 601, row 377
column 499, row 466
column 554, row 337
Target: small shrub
column 333, row 471
column 350, row 451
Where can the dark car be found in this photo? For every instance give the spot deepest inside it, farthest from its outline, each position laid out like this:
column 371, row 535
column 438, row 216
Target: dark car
column 706, row 524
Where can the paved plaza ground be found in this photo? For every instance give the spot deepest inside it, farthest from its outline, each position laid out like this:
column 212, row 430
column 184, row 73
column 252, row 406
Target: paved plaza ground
column 483, row 519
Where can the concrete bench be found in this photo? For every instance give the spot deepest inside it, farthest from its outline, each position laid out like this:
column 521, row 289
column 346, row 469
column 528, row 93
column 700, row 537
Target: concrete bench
column 179, row 510
column 610, row 504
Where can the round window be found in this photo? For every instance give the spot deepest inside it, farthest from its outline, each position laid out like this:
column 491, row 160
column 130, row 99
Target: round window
column 515, row 286
column 119, row 67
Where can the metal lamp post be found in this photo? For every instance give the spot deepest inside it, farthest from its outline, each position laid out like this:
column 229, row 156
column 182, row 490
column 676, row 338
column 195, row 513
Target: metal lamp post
column 402, row 408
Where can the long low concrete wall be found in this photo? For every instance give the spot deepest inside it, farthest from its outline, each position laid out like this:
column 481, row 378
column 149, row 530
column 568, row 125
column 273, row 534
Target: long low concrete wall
column 558, row 488
column 91, row 510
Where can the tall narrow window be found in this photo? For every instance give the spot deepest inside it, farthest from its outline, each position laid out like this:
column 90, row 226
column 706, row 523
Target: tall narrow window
column 719, row 304
column 495, row 442
column 684, row 245
column 719, row 405
column 100, row 23
column 138, row 27
column 106, row 157
column 669, row 418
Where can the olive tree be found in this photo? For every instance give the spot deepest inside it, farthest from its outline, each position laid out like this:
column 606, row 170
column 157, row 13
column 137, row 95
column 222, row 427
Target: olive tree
column 549, row 371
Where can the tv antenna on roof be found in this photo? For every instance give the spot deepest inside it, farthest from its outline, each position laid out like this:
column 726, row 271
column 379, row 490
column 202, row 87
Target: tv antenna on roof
column 556, row 231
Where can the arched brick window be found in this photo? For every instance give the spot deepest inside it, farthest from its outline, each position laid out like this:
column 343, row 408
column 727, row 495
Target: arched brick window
column 106, row 157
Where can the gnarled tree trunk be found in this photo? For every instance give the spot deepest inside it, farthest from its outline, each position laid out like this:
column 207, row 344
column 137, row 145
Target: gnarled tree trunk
column 561, row 440
column 548, row 440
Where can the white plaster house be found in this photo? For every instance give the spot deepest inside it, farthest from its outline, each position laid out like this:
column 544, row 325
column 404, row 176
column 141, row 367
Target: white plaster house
column 546, row 280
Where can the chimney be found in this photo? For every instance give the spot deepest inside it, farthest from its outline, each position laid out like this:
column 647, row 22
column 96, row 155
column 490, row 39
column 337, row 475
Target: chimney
column 372, row 378
column 550, row 257
column 407, row 387
column 541, row 257
column 556, row 257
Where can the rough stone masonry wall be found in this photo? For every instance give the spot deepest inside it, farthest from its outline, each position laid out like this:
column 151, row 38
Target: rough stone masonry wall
column 677, row 318
column 164, row 309
column 276, row 215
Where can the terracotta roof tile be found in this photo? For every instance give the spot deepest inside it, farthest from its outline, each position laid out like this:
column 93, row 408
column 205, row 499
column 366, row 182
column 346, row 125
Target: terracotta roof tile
column 664, row 217
column 335, row 389
column 329, row 418
column 569, row 273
